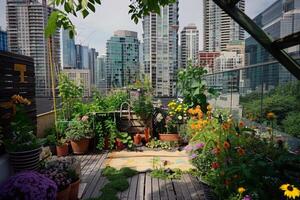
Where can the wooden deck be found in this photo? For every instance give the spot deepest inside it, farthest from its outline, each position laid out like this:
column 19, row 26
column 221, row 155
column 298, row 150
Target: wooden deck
column 142, row 186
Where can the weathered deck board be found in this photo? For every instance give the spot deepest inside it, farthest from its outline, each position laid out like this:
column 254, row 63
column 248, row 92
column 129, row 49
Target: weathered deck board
column 141, row 186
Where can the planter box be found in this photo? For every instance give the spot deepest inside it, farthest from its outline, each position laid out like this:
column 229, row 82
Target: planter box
column 169, row 137
column 80, row 146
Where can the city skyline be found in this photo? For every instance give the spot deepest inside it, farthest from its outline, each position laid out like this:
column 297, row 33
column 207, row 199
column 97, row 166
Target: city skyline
column 94, row 31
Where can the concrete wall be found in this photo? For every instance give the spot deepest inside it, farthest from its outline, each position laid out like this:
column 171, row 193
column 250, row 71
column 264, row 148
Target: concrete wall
column 44, row 121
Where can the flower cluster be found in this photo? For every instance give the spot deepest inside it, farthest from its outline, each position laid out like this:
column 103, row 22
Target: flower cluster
column 28, row 185
column 177, row 109
column 194, row 149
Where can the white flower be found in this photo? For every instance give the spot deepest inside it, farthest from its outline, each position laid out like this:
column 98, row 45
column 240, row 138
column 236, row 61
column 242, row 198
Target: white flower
column 180, row 117
column 180, row 100
column 185, row 118
column 159, row 117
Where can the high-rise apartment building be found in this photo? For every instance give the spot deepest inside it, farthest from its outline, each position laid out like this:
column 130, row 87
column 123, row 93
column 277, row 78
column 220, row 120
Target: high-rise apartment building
column 3, row 40
column 93, row 54
column 219, row 28
column 80, row 77
column 100, row 74
column 68, row 51
column 122, row 59
column 189, row 45
column 207, row 60
column 82, row 56
column 160, row 36
column 26, row 21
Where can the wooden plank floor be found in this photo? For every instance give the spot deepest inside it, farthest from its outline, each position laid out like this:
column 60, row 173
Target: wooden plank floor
column 142, row 186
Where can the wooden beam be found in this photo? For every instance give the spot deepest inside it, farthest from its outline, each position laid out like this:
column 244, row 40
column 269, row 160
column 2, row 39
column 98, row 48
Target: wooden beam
column 288, row 41
column 232, row 2
column 260, row 36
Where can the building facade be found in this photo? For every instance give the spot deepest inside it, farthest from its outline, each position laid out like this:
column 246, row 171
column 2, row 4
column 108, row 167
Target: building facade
column 219, row 28
column 26, row 21
column 82, row 56
column 189, row 45
column 101, row 75
column 80, row 77
column 3, row 40
column 68, row 51
column 93, row 54
column 160, row 36
column 207, row 60
column 122, row 59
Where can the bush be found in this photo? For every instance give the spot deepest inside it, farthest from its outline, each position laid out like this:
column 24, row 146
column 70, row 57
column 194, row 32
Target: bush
column 291, row 124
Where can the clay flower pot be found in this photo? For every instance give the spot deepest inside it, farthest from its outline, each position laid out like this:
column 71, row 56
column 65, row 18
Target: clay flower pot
column 169, row 137
column 80, row 146
column 147, row 134
column 62, row 150
column 119, row 145
column 74, row 190
column 137, row 139
column 64, row 194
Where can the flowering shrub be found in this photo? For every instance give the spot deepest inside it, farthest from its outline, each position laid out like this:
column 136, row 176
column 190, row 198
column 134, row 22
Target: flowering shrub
column 234, row 161
column 28, row 186
column 177, row 115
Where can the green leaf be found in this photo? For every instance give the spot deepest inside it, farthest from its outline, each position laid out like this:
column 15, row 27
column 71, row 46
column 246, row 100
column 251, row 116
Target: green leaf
column 52, row 25
column 85, row 13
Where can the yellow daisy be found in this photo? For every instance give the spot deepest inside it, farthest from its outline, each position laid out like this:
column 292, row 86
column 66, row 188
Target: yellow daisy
column 241, row 190
column 290, row 191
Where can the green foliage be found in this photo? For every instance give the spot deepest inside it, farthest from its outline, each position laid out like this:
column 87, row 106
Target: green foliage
column 161, row 173
column 111, row 127
column 291, row 124
column 154, row 143
column 51, row 139
column 125, row 139
column 60, row 19
column 128, row 172
column 143, row 107
column 118, row 184
column 78, row 129
column 192, row 88
column 115, row 99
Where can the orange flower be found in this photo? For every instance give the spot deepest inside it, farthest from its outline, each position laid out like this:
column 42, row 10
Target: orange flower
column 241, row 151
column 216, row 151
column 225, row 125
column 271, row 116
column 226, row 145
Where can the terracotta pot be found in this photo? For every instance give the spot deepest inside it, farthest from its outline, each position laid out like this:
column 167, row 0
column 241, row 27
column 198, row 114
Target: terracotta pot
column 119, row 145
column 147, row 134
column 62, row 150
column 80, row 146
column 64, row 194
column 169, row 137
column 137, row 139
column 74, row 190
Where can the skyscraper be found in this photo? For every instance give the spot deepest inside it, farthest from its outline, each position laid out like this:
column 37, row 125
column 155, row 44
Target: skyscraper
column 122, row 59
column 93, row 54
column 82, row 56
column 26, row 21
column 219, row 28
column 3, row 40
column 100, row 74
column 160, row 36
column 189, row 45
column 69, row 51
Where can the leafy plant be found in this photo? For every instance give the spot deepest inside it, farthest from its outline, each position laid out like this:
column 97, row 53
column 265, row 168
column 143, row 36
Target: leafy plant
column 166, row 173
column 125, row 139
column 190, row 85
column 79, row 129
column 143, row 107
column 291, row 124
column 51, row 140
column 154, row 143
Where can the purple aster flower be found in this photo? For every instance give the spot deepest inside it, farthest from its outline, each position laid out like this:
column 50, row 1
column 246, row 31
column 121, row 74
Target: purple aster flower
column 247, row 197
column 193, row 156
column 199, row 146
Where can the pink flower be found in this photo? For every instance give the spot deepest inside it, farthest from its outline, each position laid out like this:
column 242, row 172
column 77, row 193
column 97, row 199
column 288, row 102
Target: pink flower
column 84, row 118
column 188, row 148
column 247, row 197
column 193, row 156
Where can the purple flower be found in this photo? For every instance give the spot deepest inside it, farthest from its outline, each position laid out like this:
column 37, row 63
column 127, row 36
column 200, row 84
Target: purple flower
column 188, row 148
column 193, row 156
column 199, row 146
column 28, row 185
column 247, row 197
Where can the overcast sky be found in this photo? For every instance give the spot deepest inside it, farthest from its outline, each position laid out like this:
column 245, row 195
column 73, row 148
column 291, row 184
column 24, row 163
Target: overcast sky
column 112, row 15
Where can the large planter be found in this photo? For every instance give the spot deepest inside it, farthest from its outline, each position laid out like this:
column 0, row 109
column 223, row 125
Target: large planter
column 62, row 150
column 25, row 160
column 80, row 146
column 74, row 190
column 119, row 145
column 169, row 137
column 64, row 194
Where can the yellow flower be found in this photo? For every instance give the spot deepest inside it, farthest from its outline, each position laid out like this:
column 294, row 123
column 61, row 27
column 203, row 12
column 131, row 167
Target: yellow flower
column 209, row 107
column 241, row 190
column 271, row 116
column 290, row 191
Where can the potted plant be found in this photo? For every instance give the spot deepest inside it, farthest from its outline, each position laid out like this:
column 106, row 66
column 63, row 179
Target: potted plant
column 62, row 147
column 23, row 146
column 28, row 185
column 75, row 182
column 79, row 133
column 175, row 117
column 51, row 142
column 123, row 139
column 137, row 139
column 60, row 176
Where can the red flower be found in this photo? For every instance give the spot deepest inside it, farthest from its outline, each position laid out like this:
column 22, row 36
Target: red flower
column 226, row 145
column 241, row 151
column 215, row 165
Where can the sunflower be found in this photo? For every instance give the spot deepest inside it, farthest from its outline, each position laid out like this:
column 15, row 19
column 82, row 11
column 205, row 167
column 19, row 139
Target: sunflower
column 290, row 191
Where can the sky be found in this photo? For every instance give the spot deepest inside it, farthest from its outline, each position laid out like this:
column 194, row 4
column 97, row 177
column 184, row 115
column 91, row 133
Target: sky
column 112, row 15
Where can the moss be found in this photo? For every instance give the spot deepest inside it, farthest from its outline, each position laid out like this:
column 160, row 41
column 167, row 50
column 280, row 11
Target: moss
column 128, row 172
column 118, row 184
column 109, row 171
